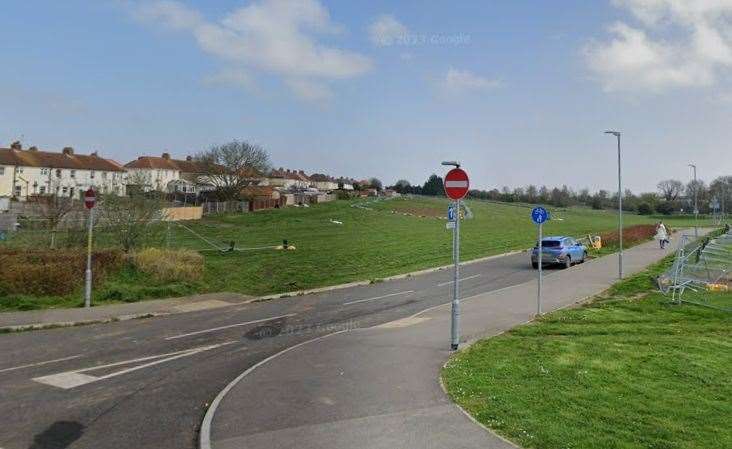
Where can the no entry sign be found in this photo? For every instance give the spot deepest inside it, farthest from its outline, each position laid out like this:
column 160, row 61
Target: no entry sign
column 90, row 198
column 456, row 184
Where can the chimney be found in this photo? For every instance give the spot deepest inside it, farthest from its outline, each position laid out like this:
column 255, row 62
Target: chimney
column 33, row 148
column 189, row 158
column 139, row 158
column 166, row 156
column 94, row 154
column 68, row 151
column 302, row 172
column 16, row 146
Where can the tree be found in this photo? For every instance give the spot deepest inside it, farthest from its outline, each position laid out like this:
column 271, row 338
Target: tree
column 645, row 209
column 376, row 184
column 721, row 189
column 433, row 186
column 53, row 209
column 130, row 218
column 402, row 186
column 232, row 166
column 670, row 189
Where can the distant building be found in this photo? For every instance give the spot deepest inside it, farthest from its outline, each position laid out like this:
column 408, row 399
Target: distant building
column 323, row 182
column 30, row 172
column 165, row 174
column 288, row 179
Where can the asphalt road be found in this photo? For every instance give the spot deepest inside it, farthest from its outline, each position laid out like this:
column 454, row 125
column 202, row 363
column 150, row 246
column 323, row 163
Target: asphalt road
column 147, row 383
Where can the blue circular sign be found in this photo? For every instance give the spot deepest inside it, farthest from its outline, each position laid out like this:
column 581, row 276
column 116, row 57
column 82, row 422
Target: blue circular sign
column 539, row 215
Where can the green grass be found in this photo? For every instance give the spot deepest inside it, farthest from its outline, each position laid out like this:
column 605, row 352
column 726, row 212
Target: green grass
column 626, row 371
column 370, row 244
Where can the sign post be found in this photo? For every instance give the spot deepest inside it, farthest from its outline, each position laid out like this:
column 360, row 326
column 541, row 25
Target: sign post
column 456, row 187
column 539, row 215
column 90, row 200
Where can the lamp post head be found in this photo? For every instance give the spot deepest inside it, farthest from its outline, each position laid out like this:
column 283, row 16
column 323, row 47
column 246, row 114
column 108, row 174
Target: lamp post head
column 451, row 163
column 614, row 133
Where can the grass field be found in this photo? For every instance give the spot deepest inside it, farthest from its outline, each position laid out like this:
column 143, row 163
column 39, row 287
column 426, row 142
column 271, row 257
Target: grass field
column 375, row 240
column 624, row 372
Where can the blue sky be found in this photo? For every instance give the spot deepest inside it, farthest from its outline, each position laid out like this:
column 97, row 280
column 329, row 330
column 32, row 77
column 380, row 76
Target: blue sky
column 519, row 91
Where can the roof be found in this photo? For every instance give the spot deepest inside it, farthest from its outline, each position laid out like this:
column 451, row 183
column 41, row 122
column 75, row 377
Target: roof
column 297, row 175
column 166, row 163
column 65, row 159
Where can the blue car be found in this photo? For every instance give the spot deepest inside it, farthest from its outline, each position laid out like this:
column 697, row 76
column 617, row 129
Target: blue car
column 559, row 250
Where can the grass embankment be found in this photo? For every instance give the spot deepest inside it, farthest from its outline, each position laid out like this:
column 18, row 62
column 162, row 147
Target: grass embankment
column 375, row 240
column 625, row 371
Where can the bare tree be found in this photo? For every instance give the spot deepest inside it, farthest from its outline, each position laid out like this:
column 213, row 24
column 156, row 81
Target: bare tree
column 53, row 209
column 131, row 218
column 670, row 189
column 232, row 166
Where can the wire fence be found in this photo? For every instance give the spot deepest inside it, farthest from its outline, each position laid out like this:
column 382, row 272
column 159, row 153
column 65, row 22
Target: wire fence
column 701, row 273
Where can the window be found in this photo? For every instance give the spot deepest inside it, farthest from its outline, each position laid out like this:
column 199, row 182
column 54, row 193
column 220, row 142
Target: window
column 43, row 190
column 20, row 169
column 2, row 171
column 73, row 173
column 17, row 190
column 58, row 173
column 44, row 171
column 91, row 174
column 104, row 175
column 65, row 190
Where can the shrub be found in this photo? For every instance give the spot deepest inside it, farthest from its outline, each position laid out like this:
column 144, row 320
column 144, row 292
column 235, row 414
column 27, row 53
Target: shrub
column 666, row 208
column 645, row 209
column 169, row 265
column 54, row 272
column 631, row 235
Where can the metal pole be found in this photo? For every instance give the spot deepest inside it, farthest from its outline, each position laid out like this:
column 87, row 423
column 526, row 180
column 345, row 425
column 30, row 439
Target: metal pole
column 455, row 329
column 696, row 205
column 540, row 260
column 88, row 289
column 620, row 214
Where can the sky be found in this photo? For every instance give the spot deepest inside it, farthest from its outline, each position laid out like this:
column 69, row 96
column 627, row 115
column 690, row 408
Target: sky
column 520, row 92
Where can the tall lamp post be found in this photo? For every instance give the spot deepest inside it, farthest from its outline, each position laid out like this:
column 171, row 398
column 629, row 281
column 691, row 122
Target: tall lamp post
column 455, row 315
column 696, row 206
column 620, row 208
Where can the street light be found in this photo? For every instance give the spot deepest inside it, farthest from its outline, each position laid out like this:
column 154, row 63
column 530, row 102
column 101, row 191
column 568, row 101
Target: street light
column 620, row 208
column 696, row 206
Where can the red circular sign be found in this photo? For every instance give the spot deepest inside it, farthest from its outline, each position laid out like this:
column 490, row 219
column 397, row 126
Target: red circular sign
column 90, row 198
column 456, row 184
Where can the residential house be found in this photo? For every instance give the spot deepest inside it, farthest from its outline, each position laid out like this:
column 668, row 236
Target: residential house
column 29, row 172
column 323, row 182
column 288, row 179
column 169, row 175
column 345, row 183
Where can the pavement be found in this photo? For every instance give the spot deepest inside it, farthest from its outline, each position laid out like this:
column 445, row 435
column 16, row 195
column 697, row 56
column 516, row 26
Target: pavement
column 48, row 318
column 378, row 386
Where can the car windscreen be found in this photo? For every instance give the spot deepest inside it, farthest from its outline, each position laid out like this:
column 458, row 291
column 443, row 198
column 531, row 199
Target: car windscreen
column 551, row 244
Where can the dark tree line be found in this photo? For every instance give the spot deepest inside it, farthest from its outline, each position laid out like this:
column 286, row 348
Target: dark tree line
column 673, row 195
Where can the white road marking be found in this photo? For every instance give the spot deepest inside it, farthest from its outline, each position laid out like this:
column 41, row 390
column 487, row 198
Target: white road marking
column 214, row 329
column 451, row 184
column 379, row 297
column 442, row 284
column 39, row 364
column 76, row 378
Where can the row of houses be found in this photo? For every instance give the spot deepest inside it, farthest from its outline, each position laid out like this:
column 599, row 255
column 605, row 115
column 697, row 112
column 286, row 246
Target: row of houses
column 31, row 172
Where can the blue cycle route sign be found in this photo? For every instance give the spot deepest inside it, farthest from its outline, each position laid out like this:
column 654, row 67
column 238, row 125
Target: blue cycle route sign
column 451, row 213
column 539, row 215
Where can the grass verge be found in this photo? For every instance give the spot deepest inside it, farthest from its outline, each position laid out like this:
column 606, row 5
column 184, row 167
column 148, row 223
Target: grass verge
column 625, row 371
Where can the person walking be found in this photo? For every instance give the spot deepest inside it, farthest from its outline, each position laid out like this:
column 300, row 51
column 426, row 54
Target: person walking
column 662, row 234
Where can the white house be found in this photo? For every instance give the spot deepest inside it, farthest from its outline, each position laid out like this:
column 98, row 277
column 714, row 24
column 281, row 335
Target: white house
column 288, row 179
column 323, row 182
column 25, row 173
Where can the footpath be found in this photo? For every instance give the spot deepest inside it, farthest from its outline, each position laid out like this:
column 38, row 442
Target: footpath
column 379, row 387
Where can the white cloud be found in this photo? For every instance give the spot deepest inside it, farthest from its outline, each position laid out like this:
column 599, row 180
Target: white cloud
column 678, row 43
column 272, row 36
column 386, row 30
column 230, row 77
column 457, row 81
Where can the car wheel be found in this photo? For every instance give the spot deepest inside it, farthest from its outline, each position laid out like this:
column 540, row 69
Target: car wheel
column 584, row 257
column 568, row 262
column 535, row 265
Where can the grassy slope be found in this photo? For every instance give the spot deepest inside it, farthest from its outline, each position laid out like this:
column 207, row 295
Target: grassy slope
column 627, row 371
column 371, row 243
